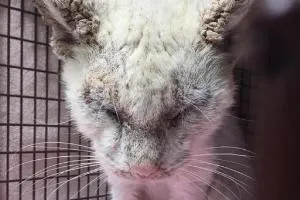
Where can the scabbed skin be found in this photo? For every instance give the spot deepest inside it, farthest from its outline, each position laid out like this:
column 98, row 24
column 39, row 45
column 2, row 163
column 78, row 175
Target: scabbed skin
column 147, row 85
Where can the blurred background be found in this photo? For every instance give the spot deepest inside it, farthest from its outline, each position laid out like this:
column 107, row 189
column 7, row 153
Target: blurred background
column 37, row 160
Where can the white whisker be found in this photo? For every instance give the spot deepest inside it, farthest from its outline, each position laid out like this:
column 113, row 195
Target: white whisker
column 103, row 182
column 223, row 167
column 64, row 143
column 236, row 163
column 228, row 189
column 232, row 147
column 58, row 174
column 223, row 154
column 229, row 177
column 203, row 181
column 63, row 148
column 196, row 186
column 53, row 124
column 42, row 159
column 48, row 169
column 61, row 185
column 234, row 180
column 94, row 180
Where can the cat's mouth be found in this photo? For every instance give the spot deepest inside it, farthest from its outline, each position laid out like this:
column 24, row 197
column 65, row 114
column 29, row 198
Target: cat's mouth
column 136, row 176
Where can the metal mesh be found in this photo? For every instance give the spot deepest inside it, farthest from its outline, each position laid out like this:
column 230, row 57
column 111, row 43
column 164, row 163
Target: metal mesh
column 33, row 112
column 35, row 130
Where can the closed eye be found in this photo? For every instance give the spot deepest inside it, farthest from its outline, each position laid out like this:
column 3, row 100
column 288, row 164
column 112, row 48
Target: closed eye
column 177, row 116
column 175, row 119
column 111, row 113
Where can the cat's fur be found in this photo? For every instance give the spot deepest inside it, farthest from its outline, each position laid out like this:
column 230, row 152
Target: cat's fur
column 146, row 84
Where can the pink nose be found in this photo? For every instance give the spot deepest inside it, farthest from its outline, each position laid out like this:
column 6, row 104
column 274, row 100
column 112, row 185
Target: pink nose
column 145, row 170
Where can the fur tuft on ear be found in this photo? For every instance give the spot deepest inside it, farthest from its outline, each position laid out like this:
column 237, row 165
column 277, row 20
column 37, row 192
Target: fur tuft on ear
column 218, row 17
column 73, row 22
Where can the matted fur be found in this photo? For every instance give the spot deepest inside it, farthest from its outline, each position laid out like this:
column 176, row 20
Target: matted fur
column 147, row 86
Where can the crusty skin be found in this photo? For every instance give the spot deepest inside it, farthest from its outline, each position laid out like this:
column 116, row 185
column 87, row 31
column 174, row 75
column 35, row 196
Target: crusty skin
column 145, row 82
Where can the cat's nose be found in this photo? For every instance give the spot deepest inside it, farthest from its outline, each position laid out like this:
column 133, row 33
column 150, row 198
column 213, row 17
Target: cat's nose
column 145, row 170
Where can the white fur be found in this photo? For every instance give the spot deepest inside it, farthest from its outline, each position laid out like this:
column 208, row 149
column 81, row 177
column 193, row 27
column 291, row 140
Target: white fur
column 144, row 44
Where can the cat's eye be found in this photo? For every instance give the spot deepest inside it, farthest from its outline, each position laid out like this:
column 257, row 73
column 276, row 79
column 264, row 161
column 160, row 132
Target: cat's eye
column 111, row 113
column 177, row 116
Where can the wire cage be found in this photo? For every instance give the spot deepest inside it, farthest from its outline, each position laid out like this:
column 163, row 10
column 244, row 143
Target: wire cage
column 41, row 154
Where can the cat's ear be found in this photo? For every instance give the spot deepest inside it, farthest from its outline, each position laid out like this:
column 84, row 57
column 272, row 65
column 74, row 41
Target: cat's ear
column 220, row 17
column 74, row 23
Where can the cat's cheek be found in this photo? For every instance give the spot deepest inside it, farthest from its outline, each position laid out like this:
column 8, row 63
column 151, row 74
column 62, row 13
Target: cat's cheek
column 102, row 159
column 105, row 144
column 104, row 138
column 96, row 129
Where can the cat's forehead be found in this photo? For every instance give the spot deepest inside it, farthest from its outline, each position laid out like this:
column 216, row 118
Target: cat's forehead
column 148, row 22
column 145, row 41
column 171, row 22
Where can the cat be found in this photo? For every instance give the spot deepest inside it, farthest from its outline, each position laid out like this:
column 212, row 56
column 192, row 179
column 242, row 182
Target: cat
column 146, row 83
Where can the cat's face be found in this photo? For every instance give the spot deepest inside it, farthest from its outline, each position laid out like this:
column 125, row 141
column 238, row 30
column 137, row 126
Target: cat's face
column 141, row 82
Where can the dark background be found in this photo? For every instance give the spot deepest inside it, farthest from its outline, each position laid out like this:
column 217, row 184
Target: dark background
column 270, row 50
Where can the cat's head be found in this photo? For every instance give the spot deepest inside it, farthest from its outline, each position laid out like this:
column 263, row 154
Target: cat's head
column 144, row 80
